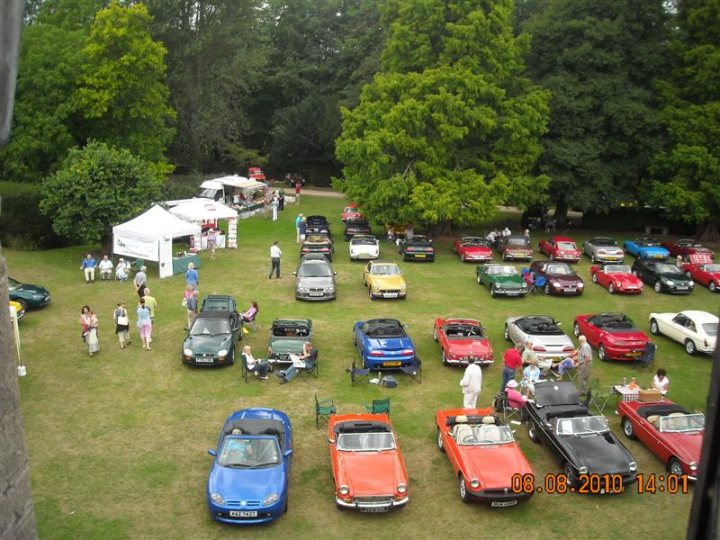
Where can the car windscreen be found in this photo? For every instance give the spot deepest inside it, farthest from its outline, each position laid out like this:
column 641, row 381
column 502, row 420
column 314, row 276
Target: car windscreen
column 12, row 284
column 383, row 330
column 463, row 331
column 566, row 245
column 242, row 452
column 647, row 242
column 559, row 269
column 712, row 268
column 679, row 423
column 364, row 241
column 502, row 271
column 664, row 268
column 314, row 269
column 474, row 242
column 518, row 242
column 384, row 270
column 603, row 242
column 617, row 269
column 365, row 442
column 710, row 329
column 583, row 425
column 210, row 327
column 317, row 239
column 483, row 435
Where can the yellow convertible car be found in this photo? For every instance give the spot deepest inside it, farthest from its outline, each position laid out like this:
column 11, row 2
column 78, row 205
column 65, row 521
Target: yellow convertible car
column 384, row 280
column 18, row 309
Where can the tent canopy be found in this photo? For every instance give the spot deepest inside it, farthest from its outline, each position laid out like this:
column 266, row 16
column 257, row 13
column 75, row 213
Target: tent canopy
column 203, row 209
column 156, row 223
column 235, row 181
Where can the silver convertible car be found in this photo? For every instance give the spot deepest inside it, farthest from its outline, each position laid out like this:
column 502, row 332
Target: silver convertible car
column 548, row 340
column 603, row 249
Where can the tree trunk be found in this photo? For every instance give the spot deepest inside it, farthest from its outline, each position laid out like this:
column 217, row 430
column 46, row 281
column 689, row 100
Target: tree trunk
column 708, row 231
column 443, row 228
column 561, row 210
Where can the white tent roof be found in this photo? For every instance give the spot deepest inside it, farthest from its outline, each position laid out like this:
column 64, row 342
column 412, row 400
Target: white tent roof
column 235, row 181
column 155, row 223
column 200, row 209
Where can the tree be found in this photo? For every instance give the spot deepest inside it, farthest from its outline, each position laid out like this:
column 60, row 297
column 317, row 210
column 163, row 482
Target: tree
column 687, row 173
column 443, row 136
column 599, row 60
column 97, row 187
column 122, row 93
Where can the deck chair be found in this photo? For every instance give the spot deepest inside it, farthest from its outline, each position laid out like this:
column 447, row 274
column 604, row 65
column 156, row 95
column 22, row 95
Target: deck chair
column 540, row 282
column 358, row 375
column 506, row 412
column 379, row 406
column 646, row 361
column 246, row 372
column 414, row 370
column 311, row 368
column 599, row 396
column 323, row 409
column 251, row 321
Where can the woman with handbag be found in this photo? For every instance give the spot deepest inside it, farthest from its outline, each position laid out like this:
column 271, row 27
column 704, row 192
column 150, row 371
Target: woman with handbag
column 122, row 324
column 144, row 324
column 89, row 323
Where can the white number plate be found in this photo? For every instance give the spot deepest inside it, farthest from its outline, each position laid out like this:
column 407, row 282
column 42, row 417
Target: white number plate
column 204, row 360
column 315, row 294
column 375, row 509
column 390, row 295
column 571, row 289
column 420, row 256
column 502, row 504
column 243, row 513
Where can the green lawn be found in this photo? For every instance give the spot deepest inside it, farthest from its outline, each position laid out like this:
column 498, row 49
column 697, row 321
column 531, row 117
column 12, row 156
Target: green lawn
column 118, row 443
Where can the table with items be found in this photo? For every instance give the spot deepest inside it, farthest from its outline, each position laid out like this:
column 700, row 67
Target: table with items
column 182, row 260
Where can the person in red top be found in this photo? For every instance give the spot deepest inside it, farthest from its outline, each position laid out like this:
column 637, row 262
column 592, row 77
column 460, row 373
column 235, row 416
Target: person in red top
column 298, row 187
column 511, row 361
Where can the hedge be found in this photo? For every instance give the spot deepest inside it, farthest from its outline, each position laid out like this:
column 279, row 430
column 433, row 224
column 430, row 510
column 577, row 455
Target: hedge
column 22, row 226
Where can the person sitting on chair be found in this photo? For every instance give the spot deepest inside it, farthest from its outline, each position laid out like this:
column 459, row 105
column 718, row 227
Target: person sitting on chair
column 661, row 381
column 122, row 270
column 568, row 363
column 515, row 399
column 299, row 361
column 531, row 375
column 259, row 367
column 249, row 315
column 529, row 279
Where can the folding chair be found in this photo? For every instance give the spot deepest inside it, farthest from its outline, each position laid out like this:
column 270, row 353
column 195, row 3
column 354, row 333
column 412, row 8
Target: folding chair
column 358, row 375
column 646, row 361
column 503, row 408
column 312, row 367
column 379, row 406
column 599, row 396
column 136, row 265
column 540, row 283
column 414, row 370
column 323, row 409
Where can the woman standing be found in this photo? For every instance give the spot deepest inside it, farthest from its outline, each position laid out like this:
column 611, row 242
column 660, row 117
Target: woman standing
column 144, row 324
column 89, row 323
column 191, row 276
column 122, row 324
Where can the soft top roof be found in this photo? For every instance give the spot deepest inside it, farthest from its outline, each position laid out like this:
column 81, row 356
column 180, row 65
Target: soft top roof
column 213, row 315
column 556, row 393
column 254, row 426
column 358, row 426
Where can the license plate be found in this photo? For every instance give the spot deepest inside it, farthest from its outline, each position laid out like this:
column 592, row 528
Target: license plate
column 503, row 504
column 390, row 295
column 375, row 509
column 659, row 256
column 243, row 513
column 513, row 293
column 611, row 258
column 315, row 294
column 392, row 364
column 682, row 288
column 634, row 353
column 571, row 289
column 420, row 256
column 204, row 360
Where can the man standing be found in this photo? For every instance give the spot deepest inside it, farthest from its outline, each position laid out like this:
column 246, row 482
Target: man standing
column 275, row 254
column 106, row 268
column 192, row 307
column 511, row 361
column 140, row 281
column 88, row 267
column 298, row 221
column 471, row 384
column 274, row 205
column 298, row 187
column 584, row 359
column 281, row 199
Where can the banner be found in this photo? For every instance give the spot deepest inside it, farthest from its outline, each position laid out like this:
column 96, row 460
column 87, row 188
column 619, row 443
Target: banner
column 141, row 248
column 166, row 257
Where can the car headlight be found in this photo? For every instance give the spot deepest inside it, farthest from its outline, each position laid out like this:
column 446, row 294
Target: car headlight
column 330, row 289
column 222, row 353
column 375, row 286
column 668, row 282
column 632, row 466
column 474, row 483
column 344, row 490
column 555, row 284
column 583, row 470
column 402, row 286
column 303, row 289
column 581, row 285
column 187, row 352
column 693, row 466
column 270, row 499
column 217, row 498
column 618, row 284
column 691, row 283
column 402, row 488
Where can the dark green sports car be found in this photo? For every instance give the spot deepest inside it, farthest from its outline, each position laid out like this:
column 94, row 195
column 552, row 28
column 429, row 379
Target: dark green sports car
column 287, row 336
column 28, row 296
column 502, row 279
column 212, row 339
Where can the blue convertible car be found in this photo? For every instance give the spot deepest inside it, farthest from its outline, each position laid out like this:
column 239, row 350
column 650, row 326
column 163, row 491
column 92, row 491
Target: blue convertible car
column 646, row 247
column 248, row 480
column 383, row 343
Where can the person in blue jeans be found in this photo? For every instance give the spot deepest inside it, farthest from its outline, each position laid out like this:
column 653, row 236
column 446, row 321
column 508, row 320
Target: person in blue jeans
column 299, row 361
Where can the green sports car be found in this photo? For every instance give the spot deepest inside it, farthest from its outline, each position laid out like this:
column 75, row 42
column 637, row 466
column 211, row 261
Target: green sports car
column 502, row 279
column 212, row 339
column 287, row 336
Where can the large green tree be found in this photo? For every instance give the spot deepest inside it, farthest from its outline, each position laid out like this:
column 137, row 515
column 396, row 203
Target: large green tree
column 96, row 188
column 687, row 172
column 450, row 128
column 599, row 60
column 122, row 95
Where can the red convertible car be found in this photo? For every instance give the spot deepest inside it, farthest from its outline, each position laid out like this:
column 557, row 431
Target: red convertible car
column 616, row 278
column 462, row 339
column 702, row 270
column 686, row 247
column 483, row 454
column 368, row 467
column 669, row 431
column 560, row 248
column 473, row 248
column 613, row 335
column 350, row 213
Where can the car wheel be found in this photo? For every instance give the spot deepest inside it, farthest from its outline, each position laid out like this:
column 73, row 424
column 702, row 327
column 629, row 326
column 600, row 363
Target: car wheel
column 492, row 290
column 602, row 353
column 658, row 286
column 576, row 329
column 444, row 358
column 478, row 279
column 547, row 288
column 23, row 304
column 592, row 258
column 441, row 446
column 506, row 333
column 232, row 357
column 690, row 347
column 712, row 286
column 551, row 256
column 570, row 473
column 654, row 328
column 611, row 288
column 675, row 467
column 372, row 296
column 594, row 278
column 435, row 334
column 462, row 257
column 532, row 432
column 627, row 428
column 464, row 495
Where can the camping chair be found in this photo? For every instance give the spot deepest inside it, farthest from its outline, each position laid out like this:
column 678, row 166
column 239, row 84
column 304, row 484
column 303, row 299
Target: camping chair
column 414, row 370
column 323, row 409
column 311, row 368
column 251, row 321
column 246, row 372
column 599, row 396
column 358, row 375
column 503, row 408
column 646, row 360
column 136, row 265
column 379, row 406
column 540, row 282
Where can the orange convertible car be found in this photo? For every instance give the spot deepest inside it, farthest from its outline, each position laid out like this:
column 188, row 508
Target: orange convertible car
column 484, row 455
column 368, row 467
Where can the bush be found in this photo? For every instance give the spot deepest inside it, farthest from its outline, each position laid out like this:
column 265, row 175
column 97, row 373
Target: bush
column 22, row 226
column 182, row 186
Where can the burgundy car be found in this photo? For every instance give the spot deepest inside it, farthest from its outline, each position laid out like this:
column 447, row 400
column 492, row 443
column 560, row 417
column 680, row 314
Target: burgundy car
column 560, row 278
column 515, row 248
column 560, row 248
column 613, row 335
column 473, row 248
column 686, row 247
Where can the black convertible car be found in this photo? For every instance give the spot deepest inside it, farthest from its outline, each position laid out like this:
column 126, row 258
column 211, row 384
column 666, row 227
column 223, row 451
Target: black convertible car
column 417, row 248
column 356, row 226
column 317, row 224
column 664, row 277
column 583, row 443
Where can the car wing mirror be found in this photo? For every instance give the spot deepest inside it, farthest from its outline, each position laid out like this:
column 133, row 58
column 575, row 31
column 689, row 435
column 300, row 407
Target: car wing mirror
column 294, row 273
column 212, row 452
column 288, row 452
column 331, row 440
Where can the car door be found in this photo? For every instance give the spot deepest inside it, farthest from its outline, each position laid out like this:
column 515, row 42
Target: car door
column 677, row 328
column 442, row 336
column 591, row 332
column 366, row 274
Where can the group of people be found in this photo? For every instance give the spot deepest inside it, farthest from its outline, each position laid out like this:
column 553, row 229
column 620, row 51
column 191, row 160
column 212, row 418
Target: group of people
column 261, row 367
column 145, row 314
column 105, row 267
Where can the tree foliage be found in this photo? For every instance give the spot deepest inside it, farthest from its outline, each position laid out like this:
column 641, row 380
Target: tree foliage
column 444, row 136
column 97, row 187
column 599, row 60
column 687, row 172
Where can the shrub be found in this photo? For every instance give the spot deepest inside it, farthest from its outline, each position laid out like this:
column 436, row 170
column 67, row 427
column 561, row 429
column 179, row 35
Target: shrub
column 22, row 226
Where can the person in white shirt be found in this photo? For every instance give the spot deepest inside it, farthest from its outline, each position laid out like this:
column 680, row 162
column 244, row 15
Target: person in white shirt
column 471, row 384
column 106, row 268
column 661, row 382
column 275, row 254
column 506, row 232
column 122, row 270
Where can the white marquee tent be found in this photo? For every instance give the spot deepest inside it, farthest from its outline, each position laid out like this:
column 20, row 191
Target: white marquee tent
column 203, row 210
column 149, row 236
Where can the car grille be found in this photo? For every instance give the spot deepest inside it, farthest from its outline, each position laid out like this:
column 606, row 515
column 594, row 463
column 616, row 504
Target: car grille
column 370, row 501
column 398, row 291
column 248, row 504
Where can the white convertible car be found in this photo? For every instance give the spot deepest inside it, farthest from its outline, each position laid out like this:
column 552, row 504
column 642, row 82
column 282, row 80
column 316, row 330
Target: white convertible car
column 364, row 247
column 697, row 330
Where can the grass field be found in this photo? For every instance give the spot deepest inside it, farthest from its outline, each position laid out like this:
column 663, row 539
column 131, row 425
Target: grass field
column 118, row 443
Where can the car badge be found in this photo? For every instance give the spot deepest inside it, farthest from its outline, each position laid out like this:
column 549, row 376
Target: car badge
column 242, row 503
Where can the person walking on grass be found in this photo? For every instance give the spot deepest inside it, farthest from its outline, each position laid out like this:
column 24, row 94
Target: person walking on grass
column 471, row 384
column 89, row 323
column 191, row 304
column 584, row 360
column 151, row 304
column 191, row 276
column 298, row 187
column 140, row 281
column 144, row 324
column 122, row 324
column 298, row 221
column 275, row 255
